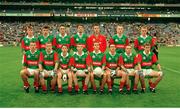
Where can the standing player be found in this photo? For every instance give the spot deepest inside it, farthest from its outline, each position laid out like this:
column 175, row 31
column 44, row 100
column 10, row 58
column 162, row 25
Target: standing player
column 96, row 37
column 61, row 39
column 142, row 39
column 64, row 72
column 147, row 59
column 98, row 60
column 79, row 39
column 120, row 40
column 48, row 65
column 44, row 38
column 30, row 67
column 27, row 39
column 129, row 63
column 81, row 67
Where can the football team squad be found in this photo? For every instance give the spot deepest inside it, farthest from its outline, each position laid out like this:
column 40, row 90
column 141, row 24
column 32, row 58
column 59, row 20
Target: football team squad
column 83, row 58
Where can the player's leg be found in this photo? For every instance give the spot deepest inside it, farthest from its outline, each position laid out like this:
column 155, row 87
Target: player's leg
column 53, row 82
column 104, row 76
column 93, row 82
column 24, row 77
column 69, row 81
column 158, row 76
column 43, row 75
column 108, row 72
column 122, row 74
column 136, row 80
column 36, row 80
column 74, row 76
column 142, row 80
column 86, row 81
column 59, row 82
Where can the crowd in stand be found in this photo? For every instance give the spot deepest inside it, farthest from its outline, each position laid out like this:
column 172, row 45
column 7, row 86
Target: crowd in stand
column 166, row 33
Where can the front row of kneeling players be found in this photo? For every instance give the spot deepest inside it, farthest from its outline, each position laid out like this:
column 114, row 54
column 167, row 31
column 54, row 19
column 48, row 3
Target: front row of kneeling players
column 96, row 64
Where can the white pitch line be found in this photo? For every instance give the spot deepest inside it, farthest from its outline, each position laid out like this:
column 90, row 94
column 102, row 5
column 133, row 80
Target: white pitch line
column 171, row 69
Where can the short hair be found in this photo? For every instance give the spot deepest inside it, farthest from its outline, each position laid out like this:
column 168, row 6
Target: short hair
column 120, row 25
column 29, row 27
column 147, row 44
column 62, row 25
column 95, row 24
column 80, row 25
column 144, row 27
column 46, row 27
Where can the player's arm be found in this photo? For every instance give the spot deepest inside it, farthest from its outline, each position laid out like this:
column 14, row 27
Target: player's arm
column 41, row 59
column 121, row 63
column 24, row 61
column 127, row 41
column 136, row 44
column 154, row 61
column 111, row 41
column 23, row 46
column 104, row 44
column 54, row 43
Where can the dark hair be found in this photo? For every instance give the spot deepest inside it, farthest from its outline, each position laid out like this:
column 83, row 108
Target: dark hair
column 46, row 27
column 80, row 25
column 95, row 24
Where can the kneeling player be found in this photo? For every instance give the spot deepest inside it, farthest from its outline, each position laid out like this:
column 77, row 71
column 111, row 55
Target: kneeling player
column 147, row 59
column 48, row 65
column 30, row 63
column 98, row 60
column 80, row 67
column 64, row 72
column 129, row 62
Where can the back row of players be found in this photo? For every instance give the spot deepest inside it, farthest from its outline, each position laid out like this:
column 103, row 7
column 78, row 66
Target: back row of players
column 48, row 56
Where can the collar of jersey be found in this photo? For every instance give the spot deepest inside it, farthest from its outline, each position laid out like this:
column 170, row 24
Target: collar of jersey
column 64, row 56
column 145, row 53
column 81, row 54
column 119, row 36
column 50, row 52
column 46, row 36
column 34, row 51
column 128, row 55
column 143, row 36
column 29, row 37
column 111, row 54
column 62, row 36
column 79, row 35
column 96, row 53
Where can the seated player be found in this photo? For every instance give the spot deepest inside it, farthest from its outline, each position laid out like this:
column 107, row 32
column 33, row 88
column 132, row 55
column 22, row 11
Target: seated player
column 147, row 59
column 64, row 72
column 48, row 65
column 30, row 67
column 129, row 63
column 80, row 67
column 98, row 60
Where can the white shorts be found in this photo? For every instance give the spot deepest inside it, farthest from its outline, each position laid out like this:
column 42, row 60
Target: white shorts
column 50, row 73
column 146, row 72
column 31, row 71
column 132, row 71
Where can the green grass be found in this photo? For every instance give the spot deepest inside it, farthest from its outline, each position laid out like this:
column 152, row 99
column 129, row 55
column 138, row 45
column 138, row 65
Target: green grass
column 13, row 95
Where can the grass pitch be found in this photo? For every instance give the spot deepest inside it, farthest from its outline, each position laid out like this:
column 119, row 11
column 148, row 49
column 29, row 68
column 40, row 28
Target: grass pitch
column 12, row 93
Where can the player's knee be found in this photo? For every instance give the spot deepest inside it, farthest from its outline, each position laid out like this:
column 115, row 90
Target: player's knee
column 160, row 73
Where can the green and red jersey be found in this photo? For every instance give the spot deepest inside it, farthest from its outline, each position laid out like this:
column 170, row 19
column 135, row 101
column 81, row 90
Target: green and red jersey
column 120, row 42
column 112, row 60
column 26, row 42
column 140, row 41
column 59, row 40
column 80, row 62
column 128, row 61
column 48, row 60
column 102, row 42
column 64, row 61
column 79, row 40
column 98, row 59
column 30, row 60
column 43, row 40
column 147, row 60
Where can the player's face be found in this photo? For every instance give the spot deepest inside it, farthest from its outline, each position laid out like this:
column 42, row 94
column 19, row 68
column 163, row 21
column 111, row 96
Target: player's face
column 79, row 48
column 32, row 46
column 45, row 31
column 96, row 46
column 128, row 49
column 64, row 49
column 119, row 29
column 62, row 30
column 143, row 31
column 80, row 29
column 147, row 48
column 112, row 48
column 48, row 47
column 96, row 29
column 29, row 32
